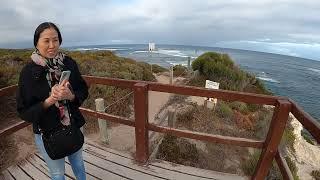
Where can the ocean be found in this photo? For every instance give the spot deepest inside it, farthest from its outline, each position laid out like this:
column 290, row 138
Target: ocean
column 293, row 77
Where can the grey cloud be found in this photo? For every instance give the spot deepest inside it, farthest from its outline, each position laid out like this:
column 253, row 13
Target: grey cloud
column 195, row 22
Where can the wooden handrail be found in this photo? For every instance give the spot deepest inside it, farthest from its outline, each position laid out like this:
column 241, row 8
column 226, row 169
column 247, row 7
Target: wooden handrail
column 215, row 93
column 142, row 127
column 272, row 141
column 243, row 142
column 306, row 120
column 6, row 91
column 111, row 81
column 13, row 128
column 108, row 117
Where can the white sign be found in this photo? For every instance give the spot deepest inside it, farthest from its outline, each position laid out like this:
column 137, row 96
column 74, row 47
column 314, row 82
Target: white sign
column 212, row 85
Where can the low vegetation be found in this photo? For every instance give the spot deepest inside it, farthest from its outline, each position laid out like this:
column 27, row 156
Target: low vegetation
column 315, row 174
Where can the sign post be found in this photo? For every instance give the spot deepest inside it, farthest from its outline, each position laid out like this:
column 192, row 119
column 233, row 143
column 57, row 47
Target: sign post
column 211, row 102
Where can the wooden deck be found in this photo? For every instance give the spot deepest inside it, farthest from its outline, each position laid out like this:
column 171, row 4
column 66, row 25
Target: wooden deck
column 105, row 163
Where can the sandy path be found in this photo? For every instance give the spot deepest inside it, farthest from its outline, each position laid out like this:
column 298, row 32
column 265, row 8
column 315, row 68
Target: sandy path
column 157, row 99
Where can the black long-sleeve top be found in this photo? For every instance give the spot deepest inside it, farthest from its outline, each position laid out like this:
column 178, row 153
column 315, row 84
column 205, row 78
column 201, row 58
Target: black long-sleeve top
column 33, row 89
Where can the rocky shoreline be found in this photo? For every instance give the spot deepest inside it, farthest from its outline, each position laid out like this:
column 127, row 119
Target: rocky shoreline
column 306, row 155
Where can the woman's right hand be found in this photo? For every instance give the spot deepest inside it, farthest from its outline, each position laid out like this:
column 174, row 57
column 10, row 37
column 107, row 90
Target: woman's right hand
column 53, row 98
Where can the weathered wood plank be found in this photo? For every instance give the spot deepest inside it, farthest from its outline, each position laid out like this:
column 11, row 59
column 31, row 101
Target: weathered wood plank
column 89, row 143
column 5, row 175
column 39, row 161
column 40, row 166
column 32, row 171
column 98, row 173
column 18, row 173
column 181, row 172
column 114, row 167
column 163, row 169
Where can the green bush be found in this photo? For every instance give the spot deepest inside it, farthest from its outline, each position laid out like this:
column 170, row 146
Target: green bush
column 239, row 106
column 315, row 174
column 293, row 168
column 157, row 69
column 307, row 137
column 288, row 138
column 179, row 70
column 178, row 151
column 220, row 68
column 248, row 166
column 187, row 116
column 223, row 110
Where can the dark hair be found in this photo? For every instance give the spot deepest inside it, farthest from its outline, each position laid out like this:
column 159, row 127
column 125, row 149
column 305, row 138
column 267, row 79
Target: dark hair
column 43, row 26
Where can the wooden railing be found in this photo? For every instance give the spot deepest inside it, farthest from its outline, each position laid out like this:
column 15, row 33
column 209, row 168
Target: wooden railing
column 283, row 106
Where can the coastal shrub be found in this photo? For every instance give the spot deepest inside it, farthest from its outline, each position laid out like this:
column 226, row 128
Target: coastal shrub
column 288, row 138
column 223, row 110
column 262, row 123
column 248, row 166
column 307, row 137
column 198, row 81
column 220, row 68
column 254, row 107
column 293, row 168
column 179, row 151
column 213, row 67
column 179, row 70
column 239, row 106
column 157, row 69
column 186, row 116
column 315, row 174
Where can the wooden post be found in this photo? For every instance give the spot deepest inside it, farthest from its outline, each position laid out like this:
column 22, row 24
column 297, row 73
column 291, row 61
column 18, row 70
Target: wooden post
column 141, row 122
column 209, row 104
column 171, row 74
column 171, row 117
column 189, row 63
column 276, row 129
column 102, row 123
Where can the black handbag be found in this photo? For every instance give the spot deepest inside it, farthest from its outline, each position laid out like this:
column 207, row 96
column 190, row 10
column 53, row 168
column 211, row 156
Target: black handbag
column 63, row 140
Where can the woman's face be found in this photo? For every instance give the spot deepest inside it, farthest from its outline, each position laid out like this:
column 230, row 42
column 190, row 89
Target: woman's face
column 48, row 43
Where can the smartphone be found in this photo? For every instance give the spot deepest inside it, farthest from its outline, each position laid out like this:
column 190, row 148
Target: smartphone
column 64, row 75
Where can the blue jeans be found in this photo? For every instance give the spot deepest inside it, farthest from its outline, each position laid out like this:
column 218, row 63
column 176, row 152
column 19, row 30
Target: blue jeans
column 56, row 167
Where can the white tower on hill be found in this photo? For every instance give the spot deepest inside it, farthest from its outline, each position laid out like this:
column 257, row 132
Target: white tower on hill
column 152, row 46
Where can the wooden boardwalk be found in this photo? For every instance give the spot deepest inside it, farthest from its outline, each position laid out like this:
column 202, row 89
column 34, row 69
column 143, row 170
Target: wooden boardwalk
column 105, row 163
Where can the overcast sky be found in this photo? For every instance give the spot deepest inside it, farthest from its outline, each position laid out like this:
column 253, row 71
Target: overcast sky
column 290, row 27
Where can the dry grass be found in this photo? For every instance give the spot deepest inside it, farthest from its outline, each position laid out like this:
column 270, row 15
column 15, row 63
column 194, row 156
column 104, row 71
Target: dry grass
column 16, row 147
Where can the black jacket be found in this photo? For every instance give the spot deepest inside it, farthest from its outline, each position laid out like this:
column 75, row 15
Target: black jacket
column 33, row 89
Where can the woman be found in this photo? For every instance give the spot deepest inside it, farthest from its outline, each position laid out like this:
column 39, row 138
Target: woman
column 47, row 104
